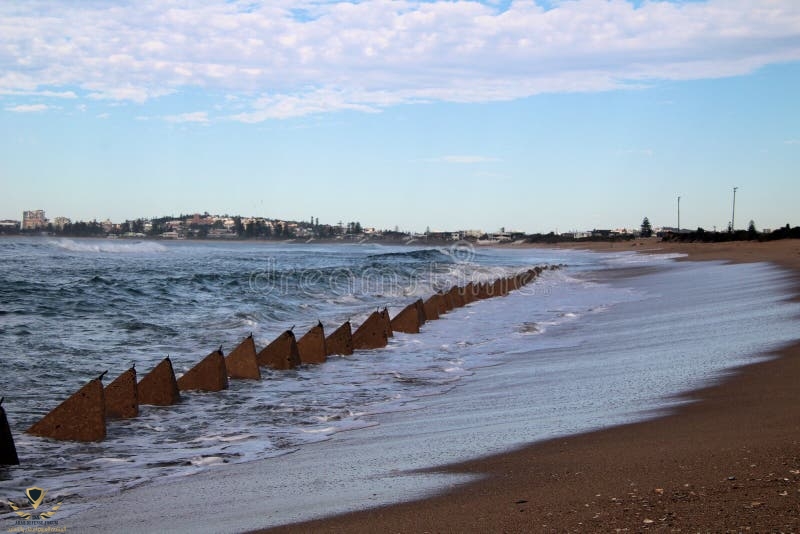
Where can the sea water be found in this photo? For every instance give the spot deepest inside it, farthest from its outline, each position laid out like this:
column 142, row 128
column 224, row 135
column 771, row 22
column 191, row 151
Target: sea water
column 576, row 350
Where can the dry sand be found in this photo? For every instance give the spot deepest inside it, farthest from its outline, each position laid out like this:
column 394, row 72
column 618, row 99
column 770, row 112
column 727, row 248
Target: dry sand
column 728, row 463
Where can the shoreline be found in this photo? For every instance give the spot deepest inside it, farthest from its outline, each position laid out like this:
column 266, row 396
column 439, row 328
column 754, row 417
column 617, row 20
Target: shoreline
column 728, row 460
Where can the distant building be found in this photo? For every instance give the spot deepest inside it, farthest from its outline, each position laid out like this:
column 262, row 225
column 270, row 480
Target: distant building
column 220, row 233
column 441, row 236
column 61, row 222
column 9, row 226
column 660, row 232
column 577, row 234
column 33, row 220
column 200, row 220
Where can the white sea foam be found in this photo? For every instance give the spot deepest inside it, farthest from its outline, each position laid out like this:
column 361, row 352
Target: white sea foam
column 641, row 258
column 108, row 246
column 115, row 309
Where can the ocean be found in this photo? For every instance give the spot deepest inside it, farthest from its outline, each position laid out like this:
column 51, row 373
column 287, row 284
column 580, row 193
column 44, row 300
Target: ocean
column 579, row 349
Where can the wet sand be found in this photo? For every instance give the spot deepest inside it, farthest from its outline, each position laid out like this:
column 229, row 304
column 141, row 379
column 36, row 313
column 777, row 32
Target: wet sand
column 728, row 462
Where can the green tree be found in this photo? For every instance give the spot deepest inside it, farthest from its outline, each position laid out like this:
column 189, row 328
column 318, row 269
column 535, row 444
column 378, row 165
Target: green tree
column 647, row 229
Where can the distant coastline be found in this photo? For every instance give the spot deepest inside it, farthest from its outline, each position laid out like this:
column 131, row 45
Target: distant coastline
column 615, row 244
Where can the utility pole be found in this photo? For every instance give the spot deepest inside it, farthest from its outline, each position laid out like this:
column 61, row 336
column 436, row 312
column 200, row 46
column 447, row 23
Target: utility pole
column 733, row 212
column 679, row 213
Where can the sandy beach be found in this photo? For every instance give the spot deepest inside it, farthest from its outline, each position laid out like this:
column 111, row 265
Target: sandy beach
column 728, row 462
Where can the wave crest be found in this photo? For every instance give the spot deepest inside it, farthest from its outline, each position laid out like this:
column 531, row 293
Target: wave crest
column 109, row 247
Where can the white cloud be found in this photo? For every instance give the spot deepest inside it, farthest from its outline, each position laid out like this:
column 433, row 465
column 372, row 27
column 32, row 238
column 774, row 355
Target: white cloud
column 195, row 116
column 792, row 142
column 103, row 115
column 319, row 101
column 369, row 55
column 43, row 94
column 127, row 92
column 28, row 108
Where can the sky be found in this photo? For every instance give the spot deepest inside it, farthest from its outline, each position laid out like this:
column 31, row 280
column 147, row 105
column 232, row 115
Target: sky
column 532, row 116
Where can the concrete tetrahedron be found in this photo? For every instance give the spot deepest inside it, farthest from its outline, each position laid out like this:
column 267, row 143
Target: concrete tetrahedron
column 408, row 320
column 281, row 354
column 455, row 296
column 8, row 452
column 242, row 361
column 159, row 387
column 499, row 288
column 312, row 345
column 210, row 374
column 423, row 318
column 484, row 291
column 441, row 305
column 340, row 341
column 387, row 323
column 122, row 396
column 510, row 284
column 82, row 417
column 468, row 293
column 447, row 300
column 432, row 308
column 371, row 334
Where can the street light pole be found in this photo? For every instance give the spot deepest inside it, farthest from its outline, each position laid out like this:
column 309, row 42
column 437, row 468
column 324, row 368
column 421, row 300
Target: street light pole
column 679, row 213
column 733, row 213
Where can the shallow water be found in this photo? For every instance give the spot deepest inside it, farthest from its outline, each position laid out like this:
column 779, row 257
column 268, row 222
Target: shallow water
column 566, row 355
column 72, row 309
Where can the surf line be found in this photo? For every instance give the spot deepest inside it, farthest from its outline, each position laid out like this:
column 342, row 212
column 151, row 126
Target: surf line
column 84, row 415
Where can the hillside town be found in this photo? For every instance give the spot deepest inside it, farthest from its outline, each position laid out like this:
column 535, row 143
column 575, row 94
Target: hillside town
column 225, row 227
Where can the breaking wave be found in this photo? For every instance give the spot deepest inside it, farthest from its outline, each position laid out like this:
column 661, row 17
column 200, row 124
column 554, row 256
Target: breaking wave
column 110, row 247
column 424, row 254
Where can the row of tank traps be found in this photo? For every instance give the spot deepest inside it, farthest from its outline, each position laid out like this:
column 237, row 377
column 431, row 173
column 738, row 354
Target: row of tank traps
column 83, row 416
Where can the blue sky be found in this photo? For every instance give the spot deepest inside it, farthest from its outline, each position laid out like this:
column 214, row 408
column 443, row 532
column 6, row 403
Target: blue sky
column 533, row 116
